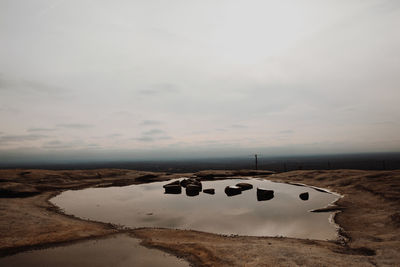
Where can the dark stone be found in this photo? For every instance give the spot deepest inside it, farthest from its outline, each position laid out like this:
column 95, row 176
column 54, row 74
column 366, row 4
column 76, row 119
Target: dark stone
column 172, row 183
column 245, row 186
column 264, row 194
column 194, row 182
column 210, row 191
column 304, row 196
column 232, row 190
column 193, row 187
column 195, row 178
column 184, row 182
column 172, row 189
column 192, row 190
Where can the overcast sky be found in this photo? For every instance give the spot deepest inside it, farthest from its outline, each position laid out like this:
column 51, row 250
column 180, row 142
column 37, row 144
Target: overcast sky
column 142, row 79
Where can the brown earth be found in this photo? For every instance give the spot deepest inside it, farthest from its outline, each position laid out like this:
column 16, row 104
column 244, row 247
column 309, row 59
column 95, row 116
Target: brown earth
column 369, row 218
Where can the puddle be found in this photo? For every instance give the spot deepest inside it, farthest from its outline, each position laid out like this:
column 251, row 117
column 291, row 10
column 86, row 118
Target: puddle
column 146, row 205
column 119, row 251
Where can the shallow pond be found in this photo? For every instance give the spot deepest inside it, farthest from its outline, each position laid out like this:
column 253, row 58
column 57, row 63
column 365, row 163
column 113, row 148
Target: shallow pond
column 118, row 251
column 147, row 205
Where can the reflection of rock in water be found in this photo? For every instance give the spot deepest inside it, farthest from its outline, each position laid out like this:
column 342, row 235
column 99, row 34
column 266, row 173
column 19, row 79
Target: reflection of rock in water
column 264, row 197
column 192, row 190
column 245, row 186
column 172, row 189
column 264, row 194
column 232, row 190
column 210, row 191
column 304, row 196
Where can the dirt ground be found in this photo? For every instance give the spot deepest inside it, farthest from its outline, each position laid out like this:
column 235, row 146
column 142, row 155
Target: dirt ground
column 369, row 218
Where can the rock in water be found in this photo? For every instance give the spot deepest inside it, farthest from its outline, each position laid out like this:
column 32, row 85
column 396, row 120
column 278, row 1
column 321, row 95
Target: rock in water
column 184, row 182
column 172, row 183
column 210, row 191
column 194, row 182
column 304, row 196
column 264, row 194
column 245, row 186
column 232, row 190
column 192, row 190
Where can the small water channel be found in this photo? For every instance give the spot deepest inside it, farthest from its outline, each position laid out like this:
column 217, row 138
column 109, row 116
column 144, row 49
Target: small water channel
column 146, row 205
column 117, row 251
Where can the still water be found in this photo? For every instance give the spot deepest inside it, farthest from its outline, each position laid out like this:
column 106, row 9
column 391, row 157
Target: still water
column 118, row 251
column 147, row 205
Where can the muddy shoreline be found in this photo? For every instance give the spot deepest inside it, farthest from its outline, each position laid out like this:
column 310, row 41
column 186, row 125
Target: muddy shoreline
column 367, row 214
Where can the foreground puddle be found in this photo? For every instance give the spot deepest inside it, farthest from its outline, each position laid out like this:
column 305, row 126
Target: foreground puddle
column 119, row 251
column 284, row 214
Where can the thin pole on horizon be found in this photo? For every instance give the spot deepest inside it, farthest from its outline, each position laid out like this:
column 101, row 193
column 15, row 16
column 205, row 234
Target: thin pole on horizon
column 256, row 161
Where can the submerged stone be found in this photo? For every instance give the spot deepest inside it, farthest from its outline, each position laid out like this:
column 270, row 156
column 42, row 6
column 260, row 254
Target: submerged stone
column 232, row 190
column 195, row 182
column 172, row 189
column 304, row 196
column 192, row 190
column 184, row 182
column 210, row 191
column 264, row 194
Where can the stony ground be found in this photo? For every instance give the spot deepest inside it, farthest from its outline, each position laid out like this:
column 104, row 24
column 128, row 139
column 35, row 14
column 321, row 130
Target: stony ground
column 369, row 219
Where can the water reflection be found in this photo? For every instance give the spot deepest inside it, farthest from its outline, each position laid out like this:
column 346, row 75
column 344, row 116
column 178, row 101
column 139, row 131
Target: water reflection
column 264, row 197
column 119, row 251
column 247, row 213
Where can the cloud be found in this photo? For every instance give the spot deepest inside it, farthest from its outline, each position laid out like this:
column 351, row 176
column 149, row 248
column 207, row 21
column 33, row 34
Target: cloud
column 286, row 132
column 145, row 139
column 153, row 135
column 53, row 143
column 150, row 122
column 148, row 92
column 163, row 88
column 21, row 138
column 154, row 132
column 7, row 109
column 114, row 135
column 75, row 126
column 239, row 126
column 75, row 144
column 40, row 129
column 24, row 85
column 152, row 139
column 297, row 78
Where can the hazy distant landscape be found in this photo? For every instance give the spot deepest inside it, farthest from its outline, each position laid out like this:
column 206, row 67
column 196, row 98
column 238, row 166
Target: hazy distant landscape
column 375, row 161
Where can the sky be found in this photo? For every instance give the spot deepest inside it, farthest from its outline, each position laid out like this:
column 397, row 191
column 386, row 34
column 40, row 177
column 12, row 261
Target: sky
column 168, row 79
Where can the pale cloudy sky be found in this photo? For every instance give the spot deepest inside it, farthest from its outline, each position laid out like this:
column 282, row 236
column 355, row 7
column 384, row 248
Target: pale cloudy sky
column 140, row 79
